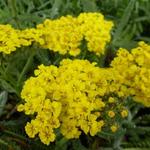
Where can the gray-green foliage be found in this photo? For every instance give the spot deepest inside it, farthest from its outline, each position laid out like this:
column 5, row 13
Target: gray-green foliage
column 132, row 22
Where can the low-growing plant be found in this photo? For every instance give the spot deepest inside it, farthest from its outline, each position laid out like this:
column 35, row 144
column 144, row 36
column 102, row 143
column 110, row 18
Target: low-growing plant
column 74, row 74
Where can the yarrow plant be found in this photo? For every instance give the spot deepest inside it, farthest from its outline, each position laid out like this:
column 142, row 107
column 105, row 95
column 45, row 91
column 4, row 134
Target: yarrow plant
column 74, row 97
column 8, row 39
column 77, row 96
column 134, row 70
column 80, row 97
column 64, row 35
column 11, row 39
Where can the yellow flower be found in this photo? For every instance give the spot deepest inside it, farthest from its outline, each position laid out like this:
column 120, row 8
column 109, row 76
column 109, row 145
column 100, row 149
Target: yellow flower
column 9, row 39
column 132, row 71
column 69, row 129
column 70, row 97
column 63, row 35
column 96, row 31
column 111, row 114
column 20, row 108
column 31, row 130
column 124, row 113
column 46, row 135
column 111, row 100
column 114, row 128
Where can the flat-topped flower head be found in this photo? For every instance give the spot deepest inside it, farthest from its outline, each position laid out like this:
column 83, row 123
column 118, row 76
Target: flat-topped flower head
column 64, row 35
column 73, row 97
column 9, row 39
column 134, row 71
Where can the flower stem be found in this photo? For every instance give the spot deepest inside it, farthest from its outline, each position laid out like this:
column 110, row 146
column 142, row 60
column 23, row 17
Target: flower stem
column 13, row 9
column 29, row 61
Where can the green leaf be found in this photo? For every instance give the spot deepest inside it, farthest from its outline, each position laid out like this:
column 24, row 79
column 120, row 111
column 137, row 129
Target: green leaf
column 89, row 5
column 3, row 100
column 78, row 146
column 124, row 20
column 56, row 7
column 136, row 149
column 61, row 144
column 7, row 86
column 3, row 142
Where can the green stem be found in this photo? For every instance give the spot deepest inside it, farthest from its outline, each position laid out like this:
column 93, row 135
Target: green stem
column 55, row 9
column 15, row 135
column 84, row 54
column 94, row 145
column 12, row 6
column 118, row 142
column 29, row 61
column 2, row 106
column 63, row 141
column 3, row 142
column 58, row 59
column 4, row 80
column 105, row 133
column 101, row 60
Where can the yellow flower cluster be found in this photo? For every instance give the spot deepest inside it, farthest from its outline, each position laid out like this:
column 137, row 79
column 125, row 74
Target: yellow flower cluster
column 28, row 36
column 9, row 39
column 114, row 128
column 67, row 33
column 80, row 97
column 133, row 69
column 115, row 109
column 63, row 35
column 69, row 97
column 124, row 113
column 96, row 31
column 111, row 114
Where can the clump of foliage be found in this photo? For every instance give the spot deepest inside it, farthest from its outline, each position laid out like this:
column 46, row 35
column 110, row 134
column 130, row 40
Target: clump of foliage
column 131, row 20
